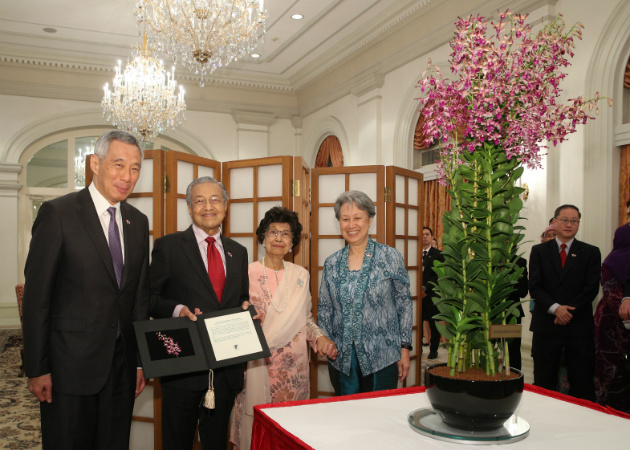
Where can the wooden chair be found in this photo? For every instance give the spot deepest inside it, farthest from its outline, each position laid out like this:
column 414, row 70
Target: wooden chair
column 19, row 292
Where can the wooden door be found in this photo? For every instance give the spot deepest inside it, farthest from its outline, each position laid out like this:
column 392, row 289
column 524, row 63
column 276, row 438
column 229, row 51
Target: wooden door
column 404, row 194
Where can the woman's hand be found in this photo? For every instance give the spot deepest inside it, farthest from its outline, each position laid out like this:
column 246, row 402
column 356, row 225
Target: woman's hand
column 326, row 347
column 404, row 364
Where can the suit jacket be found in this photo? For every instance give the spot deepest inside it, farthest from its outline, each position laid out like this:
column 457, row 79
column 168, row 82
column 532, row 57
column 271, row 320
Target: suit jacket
column 577, row 285
column 72, row 302
column 178, row 276
column 428, row 275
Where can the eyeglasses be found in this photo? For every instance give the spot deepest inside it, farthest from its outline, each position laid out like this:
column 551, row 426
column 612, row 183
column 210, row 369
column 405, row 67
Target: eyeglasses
column 572, row 222
column 285, row 234
column 214, row 201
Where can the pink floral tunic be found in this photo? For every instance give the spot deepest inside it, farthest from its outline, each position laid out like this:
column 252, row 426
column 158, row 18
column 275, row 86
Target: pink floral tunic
column 288, row 366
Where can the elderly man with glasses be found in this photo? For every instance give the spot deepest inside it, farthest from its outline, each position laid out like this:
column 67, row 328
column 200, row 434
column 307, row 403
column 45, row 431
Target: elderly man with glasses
column 564, row 281
column 193, row 272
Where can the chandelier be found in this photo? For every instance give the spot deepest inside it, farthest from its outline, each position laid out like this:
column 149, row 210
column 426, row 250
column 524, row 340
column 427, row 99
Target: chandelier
column 203, row 34
column 143, row 101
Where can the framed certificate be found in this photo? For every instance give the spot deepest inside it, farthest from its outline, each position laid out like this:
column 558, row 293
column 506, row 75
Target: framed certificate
column 217, row 339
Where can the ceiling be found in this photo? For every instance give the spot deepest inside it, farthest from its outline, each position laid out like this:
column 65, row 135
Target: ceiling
column 339, row 47
column 102, row 32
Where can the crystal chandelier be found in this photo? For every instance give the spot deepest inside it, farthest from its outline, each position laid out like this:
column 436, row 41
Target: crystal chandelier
column 143, row 101
column 203, row 34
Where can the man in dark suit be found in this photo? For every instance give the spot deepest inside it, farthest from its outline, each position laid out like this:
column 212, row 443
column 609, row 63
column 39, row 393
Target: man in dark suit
column 87, row 279
column 430, row 254
column 564, row 276
column 188, row 278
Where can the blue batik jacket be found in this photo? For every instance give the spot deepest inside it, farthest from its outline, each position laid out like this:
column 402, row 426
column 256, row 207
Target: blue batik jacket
column 377, row 318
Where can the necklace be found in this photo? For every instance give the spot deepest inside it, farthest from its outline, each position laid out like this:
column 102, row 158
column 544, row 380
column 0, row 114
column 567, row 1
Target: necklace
column 286, row 287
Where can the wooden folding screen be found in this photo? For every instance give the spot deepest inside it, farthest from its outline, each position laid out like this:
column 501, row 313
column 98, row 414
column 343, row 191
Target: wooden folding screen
column 255, row 186
column 404, row 219
column 397, row 223
column 181, row 169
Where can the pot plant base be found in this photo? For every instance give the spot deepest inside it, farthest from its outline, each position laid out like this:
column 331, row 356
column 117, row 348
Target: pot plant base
column 474, row 405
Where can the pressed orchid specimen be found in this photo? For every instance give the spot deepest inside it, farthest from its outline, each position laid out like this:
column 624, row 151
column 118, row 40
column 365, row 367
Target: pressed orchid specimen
column 494, row 118
column 172, row 347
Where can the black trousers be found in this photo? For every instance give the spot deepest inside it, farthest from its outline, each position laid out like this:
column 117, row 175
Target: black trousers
column 182, row 410
column 85, row 422
column 580, row 360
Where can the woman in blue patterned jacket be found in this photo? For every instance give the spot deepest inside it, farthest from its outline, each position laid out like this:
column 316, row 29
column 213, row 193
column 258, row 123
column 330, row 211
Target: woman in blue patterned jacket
column 365, row 304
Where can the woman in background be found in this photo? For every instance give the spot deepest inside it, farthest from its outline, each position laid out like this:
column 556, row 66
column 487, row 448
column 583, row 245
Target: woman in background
column 612, row 375
column 365, row 304
column 279, row 291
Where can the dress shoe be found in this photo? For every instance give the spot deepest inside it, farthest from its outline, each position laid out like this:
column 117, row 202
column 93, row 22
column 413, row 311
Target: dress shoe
column 432, row 355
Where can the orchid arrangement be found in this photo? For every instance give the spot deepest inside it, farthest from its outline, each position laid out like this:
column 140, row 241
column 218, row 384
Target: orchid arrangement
column 491, row 120
column 172, row 347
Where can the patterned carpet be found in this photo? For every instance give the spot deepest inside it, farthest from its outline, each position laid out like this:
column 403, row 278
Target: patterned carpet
column 19, row 409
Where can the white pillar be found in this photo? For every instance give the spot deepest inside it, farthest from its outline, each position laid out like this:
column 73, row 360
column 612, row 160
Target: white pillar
column 252, row 133
column 370, row 119
column 9, row 188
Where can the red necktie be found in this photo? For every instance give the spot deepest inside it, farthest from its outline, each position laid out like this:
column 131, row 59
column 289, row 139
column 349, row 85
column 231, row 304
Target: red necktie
column 563, row 254
column 216, row 273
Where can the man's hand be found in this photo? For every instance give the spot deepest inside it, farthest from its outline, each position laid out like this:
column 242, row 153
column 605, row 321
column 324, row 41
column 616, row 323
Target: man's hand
column 563, row 314
column 41, row 387
column 624, row 309
column 185, row 312
column 245, row 305
column 141, row 382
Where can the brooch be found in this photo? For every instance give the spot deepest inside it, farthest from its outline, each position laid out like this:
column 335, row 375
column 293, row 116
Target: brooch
column 300, row 283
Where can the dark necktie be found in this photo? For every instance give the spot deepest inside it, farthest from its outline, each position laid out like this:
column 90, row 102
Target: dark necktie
column 216, row 272
column 114, row 244
column 563, row 254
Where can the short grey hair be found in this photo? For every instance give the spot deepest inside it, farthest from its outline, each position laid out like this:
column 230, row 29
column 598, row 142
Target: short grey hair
column 202, row 180
column 101, row 148
column 359, row 198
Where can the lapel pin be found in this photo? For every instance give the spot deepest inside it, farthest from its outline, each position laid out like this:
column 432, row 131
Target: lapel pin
column 573, row 255
column 128, row 221
column 229, row 254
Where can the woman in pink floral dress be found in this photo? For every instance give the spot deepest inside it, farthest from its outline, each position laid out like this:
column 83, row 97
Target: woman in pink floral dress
column 279, row 291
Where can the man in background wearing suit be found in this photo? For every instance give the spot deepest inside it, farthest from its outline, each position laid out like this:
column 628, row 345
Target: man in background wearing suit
column 564, row 276
column 193, row 272
column 430, row 254
column 87, row 279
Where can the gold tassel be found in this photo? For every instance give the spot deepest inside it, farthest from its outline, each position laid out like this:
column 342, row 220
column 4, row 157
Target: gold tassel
column 208, row 401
